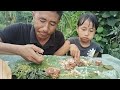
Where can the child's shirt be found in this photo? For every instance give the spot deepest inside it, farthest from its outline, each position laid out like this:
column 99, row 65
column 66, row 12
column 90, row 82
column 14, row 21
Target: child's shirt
column 86, row 51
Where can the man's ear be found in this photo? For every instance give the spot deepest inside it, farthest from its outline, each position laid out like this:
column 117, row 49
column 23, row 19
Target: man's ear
column 33, row 13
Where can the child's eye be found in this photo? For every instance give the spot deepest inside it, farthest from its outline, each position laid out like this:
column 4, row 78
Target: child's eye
column 91, row 30
column 83, row 29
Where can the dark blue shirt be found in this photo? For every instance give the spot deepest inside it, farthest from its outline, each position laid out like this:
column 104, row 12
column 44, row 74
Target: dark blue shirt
column 87, row 51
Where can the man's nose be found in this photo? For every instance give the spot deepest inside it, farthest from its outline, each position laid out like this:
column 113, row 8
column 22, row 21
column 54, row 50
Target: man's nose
column 46, row 27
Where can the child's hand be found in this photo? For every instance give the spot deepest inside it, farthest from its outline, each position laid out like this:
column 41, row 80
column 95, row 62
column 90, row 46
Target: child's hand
column 75, row 52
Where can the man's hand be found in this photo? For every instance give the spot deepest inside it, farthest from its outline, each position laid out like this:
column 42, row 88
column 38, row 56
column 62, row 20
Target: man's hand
column 31, row 52
column 75, row 52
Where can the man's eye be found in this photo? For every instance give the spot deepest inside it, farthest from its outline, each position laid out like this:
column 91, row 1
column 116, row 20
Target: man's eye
column 52, row 24
column 41, row 20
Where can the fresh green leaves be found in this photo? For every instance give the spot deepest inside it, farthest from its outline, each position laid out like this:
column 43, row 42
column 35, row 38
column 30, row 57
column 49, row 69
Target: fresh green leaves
column 100, row 29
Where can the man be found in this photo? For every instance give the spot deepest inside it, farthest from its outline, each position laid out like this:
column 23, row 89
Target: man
column 33, row 41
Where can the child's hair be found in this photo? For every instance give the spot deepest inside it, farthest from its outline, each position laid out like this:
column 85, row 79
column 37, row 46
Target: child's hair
column 88, row 16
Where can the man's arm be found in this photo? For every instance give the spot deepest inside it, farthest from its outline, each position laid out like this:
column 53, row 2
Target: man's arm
column 64, row 49
column 29, row 52
column 74, row 51
column 6, row 48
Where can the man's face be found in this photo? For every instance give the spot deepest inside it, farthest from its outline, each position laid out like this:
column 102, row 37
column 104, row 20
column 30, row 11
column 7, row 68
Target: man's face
column 45, row 23
column 86, row 31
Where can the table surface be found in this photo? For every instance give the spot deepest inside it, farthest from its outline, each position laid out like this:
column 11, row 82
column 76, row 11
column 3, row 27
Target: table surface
column 106, row 58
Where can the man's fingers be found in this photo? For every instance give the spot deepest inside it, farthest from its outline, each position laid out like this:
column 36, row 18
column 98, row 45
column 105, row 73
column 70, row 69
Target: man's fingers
column 37, row 49
column 33, row 60
column 34, row 57
column 36, row 61
column 30, row 59
column 38, row 57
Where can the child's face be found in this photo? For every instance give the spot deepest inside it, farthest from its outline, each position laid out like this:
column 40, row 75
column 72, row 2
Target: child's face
column 86, row 31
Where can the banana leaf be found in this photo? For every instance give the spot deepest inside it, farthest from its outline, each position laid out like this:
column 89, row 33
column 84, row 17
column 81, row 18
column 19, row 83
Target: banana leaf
column 22, row 69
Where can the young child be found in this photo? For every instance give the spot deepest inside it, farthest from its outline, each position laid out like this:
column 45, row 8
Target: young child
column 87, row 26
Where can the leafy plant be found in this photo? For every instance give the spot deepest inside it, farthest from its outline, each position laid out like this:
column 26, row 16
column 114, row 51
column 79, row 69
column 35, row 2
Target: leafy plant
column 68, row 23
column 114, row 43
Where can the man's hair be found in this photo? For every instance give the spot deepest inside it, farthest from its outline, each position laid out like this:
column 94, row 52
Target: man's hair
column 60, row 13
column 88, row 16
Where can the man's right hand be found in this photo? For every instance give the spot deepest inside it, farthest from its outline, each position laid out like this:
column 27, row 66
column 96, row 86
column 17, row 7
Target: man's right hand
column 31, row 52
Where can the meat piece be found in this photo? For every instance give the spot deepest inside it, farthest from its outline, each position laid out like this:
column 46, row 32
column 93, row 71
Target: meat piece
column 98, row 62
column 82, row 62
column 52, row 72
column 5, row 71
column 69, row 64
column 40, row 56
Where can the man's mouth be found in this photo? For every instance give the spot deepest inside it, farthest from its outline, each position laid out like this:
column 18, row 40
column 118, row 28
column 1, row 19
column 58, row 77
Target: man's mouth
column 42, row 33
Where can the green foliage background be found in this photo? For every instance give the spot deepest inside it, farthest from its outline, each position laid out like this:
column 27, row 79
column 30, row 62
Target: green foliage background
column 107, row 35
